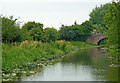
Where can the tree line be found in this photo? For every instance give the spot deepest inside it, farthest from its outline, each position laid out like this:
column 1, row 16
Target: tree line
column 103, row 19
column 11, row 31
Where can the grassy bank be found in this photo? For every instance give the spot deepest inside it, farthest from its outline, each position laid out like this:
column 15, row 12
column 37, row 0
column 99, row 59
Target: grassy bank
column 82, row 44
column 27, row 56
column 113, row 56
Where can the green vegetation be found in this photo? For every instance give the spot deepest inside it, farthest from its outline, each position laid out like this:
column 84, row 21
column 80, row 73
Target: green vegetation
column 97, row 17
column 30, row 45
column 82, row 44
column 112, row 22
column 51, row 34
column 107, row 17
column 33, row 31
column 10, row 30
column 76, row 32
column 32, row 54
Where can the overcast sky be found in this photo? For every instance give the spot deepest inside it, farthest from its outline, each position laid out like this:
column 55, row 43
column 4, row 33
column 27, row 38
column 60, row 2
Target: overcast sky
column 52, row 13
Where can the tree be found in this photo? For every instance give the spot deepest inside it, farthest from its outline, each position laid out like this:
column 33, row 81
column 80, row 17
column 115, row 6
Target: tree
column 112, row 22
column 33, row 31
column 36, row 34
column 76, row 32
column 11, row 32
column 97, row 17
column 87, row 28
column 66, row 33
column 51, row 34
column 31, row 24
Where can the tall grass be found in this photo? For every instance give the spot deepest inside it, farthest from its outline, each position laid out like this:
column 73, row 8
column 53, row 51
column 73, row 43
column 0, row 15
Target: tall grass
column 32, row 54
column 29, row 54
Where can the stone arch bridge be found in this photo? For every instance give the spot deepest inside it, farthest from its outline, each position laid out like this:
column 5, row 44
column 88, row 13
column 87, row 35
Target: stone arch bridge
column 96, row 39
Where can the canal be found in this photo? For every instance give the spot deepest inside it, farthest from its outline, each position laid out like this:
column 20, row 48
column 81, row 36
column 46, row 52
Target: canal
column 84, row 65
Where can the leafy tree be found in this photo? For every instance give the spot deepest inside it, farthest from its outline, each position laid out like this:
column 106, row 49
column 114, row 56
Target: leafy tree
column 36, row 33
column 10, row 30
column 31, row 24
column 66, row 33
column 51, row 34
column 87, row 28
column 97, row 17
column 77, row 32
column 32, row 31
column 112, row 22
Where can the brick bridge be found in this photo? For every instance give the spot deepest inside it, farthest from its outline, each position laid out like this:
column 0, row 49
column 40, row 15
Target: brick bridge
column 96, row 39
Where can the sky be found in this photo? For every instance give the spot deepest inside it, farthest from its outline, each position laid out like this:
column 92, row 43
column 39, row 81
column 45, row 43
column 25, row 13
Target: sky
column 52, row 13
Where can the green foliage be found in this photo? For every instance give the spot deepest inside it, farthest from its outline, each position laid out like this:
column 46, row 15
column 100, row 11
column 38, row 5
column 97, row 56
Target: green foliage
column 106, row 20
column 97, row 17
column 11, row 32
column 31, row 53
column 87, row 28
column 82, row 44
column 66, row 33
column 36, row 33
column 112, row 22
column 31, row 24
column 77, row 32
column 33, row 31
column 51, row 34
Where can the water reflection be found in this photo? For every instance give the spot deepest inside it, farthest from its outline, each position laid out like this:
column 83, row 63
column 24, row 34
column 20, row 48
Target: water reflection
column 84, row 65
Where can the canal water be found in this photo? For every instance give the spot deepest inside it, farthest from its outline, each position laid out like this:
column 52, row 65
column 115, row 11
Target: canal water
column 83, row 65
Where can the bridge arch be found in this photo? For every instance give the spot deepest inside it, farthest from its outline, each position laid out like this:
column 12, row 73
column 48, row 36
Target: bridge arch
column 98, row 43
column 96, row 39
